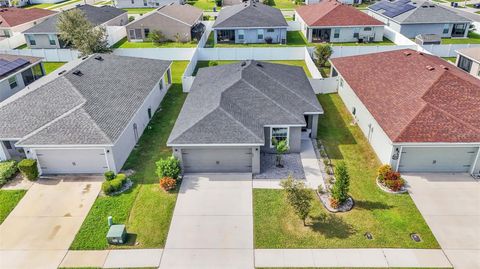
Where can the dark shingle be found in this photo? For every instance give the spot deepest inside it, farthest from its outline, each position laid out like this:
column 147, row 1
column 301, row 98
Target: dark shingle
column 250, row 15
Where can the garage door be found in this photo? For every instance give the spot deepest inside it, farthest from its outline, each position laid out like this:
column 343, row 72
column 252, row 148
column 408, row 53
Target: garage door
column 452, row 159
column 217, row 160
column 71, row 161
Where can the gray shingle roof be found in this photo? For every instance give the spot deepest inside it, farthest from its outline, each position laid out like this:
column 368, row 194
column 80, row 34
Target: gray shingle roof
column 424, row 12
column 90, row 109
column 231, row 104
column 250, row 15
column 96, row 15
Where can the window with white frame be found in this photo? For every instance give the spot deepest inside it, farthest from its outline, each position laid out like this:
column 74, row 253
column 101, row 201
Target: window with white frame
column 260, row 34
column 13, row 82
column 446, row 28
column 241, row 34
column 51, row 40
column 31, row 40
column 367, row 29
column 145, row 3
column 356, row 32
column 278, row 134
column 336, row 33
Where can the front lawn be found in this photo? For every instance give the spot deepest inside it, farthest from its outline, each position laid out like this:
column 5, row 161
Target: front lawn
column 450, row 59
column 8, row 200
column 201, row 64
column 206, row 5
column 138, row 10
column 294, row 39
column 282, row 4
column 125, row 44
column 145, row 209
column 390, row 218
column 473, row 38
column 52, row 66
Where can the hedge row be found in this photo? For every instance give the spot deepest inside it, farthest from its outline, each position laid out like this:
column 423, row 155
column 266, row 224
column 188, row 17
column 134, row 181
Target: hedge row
column 110, row 186
column 7, row 170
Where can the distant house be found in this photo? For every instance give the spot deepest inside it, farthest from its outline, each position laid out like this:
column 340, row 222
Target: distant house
column 45, row 35
column 236, row 2
column 182, row 22
column 348, row 2
column 145, row 3
column 87, row 119
column 250, row 22
column 233, row 113
column 420, row 17
column 469, row 60
column 418, row 112
column 332, row 21
column 21, row 3
column 17, row 72
column 15, row 20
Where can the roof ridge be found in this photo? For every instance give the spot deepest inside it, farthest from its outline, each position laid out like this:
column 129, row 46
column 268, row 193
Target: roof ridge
column 326, row 13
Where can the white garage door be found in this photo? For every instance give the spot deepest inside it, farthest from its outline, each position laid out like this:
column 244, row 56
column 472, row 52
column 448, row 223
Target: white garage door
column 446, row 159
column 217, row 160
column 71, row 161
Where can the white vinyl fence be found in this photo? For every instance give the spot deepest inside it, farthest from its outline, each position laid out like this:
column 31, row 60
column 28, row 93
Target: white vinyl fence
column 48, row 55
column 115, row 34
column 448, row 50
column 294, row 26
column 158, row 53
column 12, row 42
column 253, row 53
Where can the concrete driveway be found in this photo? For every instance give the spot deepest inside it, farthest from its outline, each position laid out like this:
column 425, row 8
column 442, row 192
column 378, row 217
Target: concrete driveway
column 39, row 231
column 212, row 225
column 450, row 203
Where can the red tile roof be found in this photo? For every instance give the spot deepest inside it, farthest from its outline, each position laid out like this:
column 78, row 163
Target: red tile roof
column 10, row 17
column 333, row 13
column 415, row 97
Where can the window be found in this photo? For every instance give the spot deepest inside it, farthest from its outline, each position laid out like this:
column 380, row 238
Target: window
column 356, row 32
column 145, row 3
column 160, row 84
column 135, row 33
column 6, row 33
column 241, row 34
column 146, row 32
column 13, row 82
column 260, row 34
column 7, row 144
column 446, row 28
column 341, row 83
column 149, row 111
column 135, row 132
column 51, row 40
column 367, row 29
column 336, row 33
column 459, row 30
column 465, row 63
column 31, row 40
column 133, row 1
column 270, row 30
column 278, row 134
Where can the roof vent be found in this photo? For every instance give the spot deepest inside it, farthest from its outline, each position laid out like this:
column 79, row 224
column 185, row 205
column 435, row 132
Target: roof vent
column 430, row 68
column 62, row 72
column 420, row 53
column 407, row 53
column 444, row 67
column 243, row 64
column 99, row 58
column 78, row 73
column 259, row 65
column 84, row 58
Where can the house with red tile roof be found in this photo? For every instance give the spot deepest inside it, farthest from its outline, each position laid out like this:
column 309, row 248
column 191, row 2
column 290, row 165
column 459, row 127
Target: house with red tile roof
column 419, row 112
column 332, row 21
column 15, row 20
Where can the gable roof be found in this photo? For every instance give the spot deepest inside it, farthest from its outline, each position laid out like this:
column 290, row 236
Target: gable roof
column 250, row 14
column 415, row 97
column 7, row 58
column 12, row 16
column 93, row 108
column 231, row 104
column 406, row 11
column 185, row 13
column 95, row 15
column 334, row 13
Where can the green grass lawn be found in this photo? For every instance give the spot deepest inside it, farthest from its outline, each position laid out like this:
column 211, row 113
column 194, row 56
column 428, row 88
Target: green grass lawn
column 206, row 5
column 138, row 10
column 8, row 200
column 390, row 218
column 283, row 4
column 125, row 44
column 450, row 59
column 22, row 47
column 325, row 71
column 145, row 209
column 62, row 4
column 473, row 38
column 52, row 66
column 201, row 64
column 294, row 39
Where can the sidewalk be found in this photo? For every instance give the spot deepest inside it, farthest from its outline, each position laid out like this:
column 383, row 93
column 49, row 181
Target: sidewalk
column 118, row 258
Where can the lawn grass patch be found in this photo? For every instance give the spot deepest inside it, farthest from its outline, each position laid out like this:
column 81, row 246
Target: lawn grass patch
column 385, row 42
column 201, row 64
column 390, row 218
column 144, row 209
column 125, row 44
column 8, row 200
column 206, row 5
column 294, row 39
column 140, row 10
column 22, row 47
column 473, row 38
column 450, row 59
column 52, row 66
column 283, row 4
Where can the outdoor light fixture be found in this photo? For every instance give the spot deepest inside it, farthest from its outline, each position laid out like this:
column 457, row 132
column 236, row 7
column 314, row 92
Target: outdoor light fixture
column 415, row 237
column 396, row 154
column 368, row 235
column 108, row 151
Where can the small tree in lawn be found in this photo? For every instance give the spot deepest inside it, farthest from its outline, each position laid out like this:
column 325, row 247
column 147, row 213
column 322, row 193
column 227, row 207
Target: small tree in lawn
column 299, row 197
column 156, row 36
column 281, row 147
column 322, row 54
column 76, row 30
column 342, row 184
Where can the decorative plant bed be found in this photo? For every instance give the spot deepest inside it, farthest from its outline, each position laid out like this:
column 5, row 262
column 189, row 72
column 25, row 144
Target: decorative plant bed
column 386, row 189
column 345, row 207
column 389, row 180
column 125, row 187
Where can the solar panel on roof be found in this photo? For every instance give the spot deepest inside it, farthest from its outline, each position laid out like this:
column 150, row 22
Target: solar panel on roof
column 10, row 66
column 3, row 62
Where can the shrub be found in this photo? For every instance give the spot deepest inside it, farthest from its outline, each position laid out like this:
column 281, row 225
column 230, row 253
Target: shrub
column 394, row 185
column 213, row 63
column 391, row 179
column 169, row 167
column 320, row 189
column 334, row 203
column 322, row 53
column 168, row 183
column 382, row 171
column 268, row 40
column 107, row 187
column 115, row 184
column 109, row 175
column 342, row 183
column 28, row 168
column 206, row 17
column 298, row 196
column 7, row 170
column 131, row 18
column 156, row 36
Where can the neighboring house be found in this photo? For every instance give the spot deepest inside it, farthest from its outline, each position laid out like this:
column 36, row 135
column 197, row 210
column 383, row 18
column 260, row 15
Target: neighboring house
column 233, row 111
column 17, row 72
column 21, row 3
column 418, row 112
column 469, row 60
column 236, row 2
column 89, row 118
column 348, row 2
column 250, row 22
column 182, row 22
column 332, row 21
column 15, row 20
column 145, row 3
column 45, row 35
column 420, row 17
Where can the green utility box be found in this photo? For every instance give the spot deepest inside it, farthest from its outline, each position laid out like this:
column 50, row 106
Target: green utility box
column 117, row 234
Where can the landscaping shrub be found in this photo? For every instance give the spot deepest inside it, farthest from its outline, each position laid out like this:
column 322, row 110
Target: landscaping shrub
column 169, row 167
column 299, row 197
column 107, row 187
column 322, row 54
column 7, row 170
column 28, row 168
column 206, row 17
column 334, row 203
column 131, row 18
column 109, row 175
column 389, row 178
column 156, row 36
column 382, row 171
column 395, row 185
column 115, row 184
column 342, row 183
column 268, row 40
column 168, row 183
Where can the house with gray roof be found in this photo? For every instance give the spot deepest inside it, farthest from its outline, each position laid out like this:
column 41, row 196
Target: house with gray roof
column 87, row 118
column 234, row 111
column 145, row 3
column 412, row 18
column 250, row 22
column 45, row 35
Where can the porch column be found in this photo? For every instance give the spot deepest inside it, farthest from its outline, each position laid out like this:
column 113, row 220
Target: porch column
column 256, row 160
column 309, row 34
column 214, row 36
column 169, row 76
column 314, row 126
column 4, row 155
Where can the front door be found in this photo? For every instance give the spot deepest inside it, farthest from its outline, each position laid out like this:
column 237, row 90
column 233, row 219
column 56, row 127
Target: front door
column 459, row 30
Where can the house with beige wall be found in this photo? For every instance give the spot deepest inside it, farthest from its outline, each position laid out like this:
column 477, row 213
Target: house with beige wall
column 175, row 22
column 469, row 61
column 15, row 20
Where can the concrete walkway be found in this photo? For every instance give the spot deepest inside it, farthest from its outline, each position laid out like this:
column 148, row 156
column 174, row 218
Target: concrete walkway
column 117, row 258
